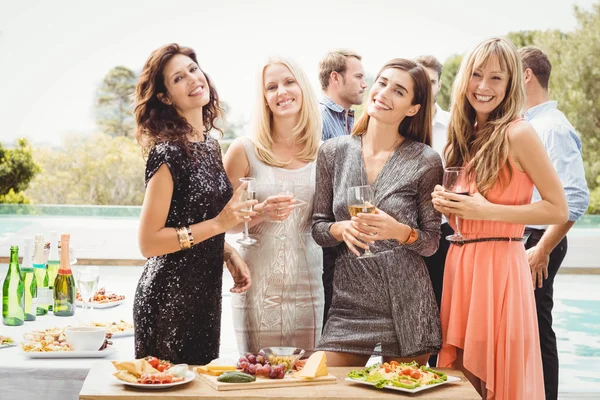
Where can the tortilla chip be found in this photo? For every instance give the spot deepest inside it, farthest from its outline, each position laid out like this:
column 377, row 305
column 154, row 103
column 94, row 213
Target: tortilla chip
column 136, row 367
column 126, row 376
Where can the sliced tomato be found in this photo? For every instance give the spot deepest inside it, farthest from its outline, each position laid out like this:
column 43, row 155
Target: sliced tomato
column 393, row 364
column 387, row 368
column 415, row 375
column 153, row 361
column 406, row 371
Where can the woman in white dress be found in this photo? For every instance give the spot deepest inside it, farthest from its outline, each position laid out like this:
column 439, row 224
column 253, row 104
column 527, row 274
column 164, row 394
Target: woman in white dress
column 284, row 306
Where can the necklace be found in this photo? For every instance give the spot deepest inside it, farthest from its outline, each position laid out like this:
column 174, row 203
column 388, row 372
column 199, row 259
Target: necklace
column 362, row 163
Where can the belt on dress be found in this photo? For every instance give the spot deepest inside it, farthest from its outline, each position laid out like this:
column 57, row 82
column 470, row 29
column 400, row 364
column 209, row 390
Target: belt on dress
column 487, row 239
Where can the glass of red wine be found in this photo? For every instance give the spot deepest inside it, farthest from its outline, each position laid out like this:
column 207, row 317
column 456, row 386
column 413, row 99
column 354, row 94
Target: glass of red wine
column 455, row 181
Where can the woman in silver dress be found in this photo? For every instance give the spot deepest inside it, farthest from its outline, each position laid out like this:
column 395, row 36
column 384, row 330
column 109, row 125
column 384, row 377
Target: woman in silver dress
column 284, row 306
column 388, row 298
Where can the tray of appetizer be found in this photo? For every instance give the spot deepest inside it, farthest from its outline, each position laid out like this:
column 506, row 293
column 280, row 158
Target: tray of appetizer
column 151, row 373
column 267, row 370
column 102, row 299
column 403, row 377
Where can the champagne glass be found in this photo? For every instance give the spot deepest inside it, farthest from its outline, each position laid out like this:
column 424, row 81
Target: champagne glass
column 455, row 181
column 360, row 200
column 284, row 188
column 87, row 279
column 248, row 194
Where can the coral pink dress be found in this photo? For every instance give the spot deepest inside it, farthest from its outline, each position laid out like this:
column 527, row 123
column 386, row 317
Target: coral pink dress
column 488, row 306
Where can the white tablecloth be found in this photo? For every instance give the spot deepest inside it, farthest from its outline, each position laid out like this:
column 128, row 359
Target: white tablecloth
column 22, row 378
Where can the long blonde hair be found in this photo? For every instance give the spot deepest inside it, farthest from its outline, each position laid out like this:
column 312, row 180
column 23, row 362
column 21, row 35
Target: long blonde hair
column 307, row 132
column 486, row 151
column 417, row 127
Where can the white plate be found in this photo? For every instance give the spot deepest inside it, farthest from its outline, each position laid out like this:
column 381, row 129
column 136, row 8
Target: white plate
column 2, row 346
column 128, row 332
column 101, row 305
column 415, row 390
column 188, row 378
column 71, row 354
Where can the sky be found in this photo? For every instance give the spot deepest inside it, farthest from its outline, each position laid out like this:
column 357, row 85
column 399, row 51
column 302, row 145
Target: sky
column 54, row 54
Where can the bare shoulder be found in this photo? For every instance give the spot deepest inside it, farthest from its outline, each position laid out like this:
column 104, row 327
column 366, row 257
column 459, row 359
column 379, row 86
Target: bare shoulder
column 521, row 132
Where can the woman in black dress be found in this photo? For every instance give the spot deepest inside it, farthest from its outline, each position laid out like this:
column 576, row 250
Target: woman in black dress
column 188, row 206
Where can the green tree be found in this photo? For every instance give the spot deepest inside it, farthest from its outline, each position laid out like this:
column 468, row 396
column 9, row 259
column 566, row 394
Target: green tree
column 17, row 169
column 113, row 102
column 523, row 38
column 451, row 67
column 100, row 170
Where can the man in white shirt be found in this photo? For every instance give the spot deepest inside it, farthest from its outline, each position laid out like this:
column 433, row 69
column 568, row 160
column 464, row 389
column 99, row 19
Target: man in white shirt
column 547, row 246
column 441, row 119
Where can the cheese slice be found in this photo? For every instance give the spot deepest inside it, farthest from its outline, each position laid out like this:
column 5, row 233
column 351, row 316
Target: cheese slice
column 214, row 367
column 315, row 366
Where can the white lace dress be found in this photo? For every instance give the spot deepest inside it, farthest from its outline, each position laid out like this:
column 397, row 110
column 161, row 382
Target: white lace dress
column 284, row 306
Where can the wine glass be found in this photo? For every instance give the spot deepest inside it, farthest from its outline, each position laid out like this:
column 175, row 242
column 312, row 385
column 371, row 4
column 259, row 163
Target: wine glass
column 455, row 181
column 284, row 188
column 248, row 194
column 360, row 200
column 87, row 279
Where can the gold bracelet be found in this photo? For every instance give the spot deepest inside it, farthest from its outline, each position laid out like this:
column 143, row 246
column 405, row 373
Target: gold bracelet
column 190, row 237
column 184, row 242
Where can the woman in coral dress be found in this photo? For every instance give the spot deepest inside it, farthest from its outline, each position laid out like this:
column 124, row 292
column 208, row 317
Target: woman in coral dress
column 489, row 325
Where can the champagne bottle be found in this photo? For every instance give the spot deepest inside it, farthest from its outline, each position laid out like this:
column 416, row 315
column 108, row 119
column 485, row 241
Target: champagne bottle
column 29, row 282
column 53, row 262
column 64, row 285
column 41, row 276
column 12, row 292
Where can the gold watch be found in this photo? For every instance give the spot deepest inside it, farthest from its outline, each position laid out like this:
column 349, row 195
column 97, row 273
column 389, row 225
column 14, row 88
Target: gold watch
column 414, row 235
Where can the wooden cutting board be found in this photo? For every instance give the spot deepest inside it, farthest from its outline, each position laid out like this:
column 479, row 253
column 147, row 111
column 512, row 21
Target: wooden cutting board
column 261, row 383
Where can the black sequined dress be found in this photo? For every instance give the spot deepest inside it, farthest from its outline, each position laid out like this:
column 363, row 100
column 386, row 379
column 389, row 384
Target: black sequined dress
column 177, row 305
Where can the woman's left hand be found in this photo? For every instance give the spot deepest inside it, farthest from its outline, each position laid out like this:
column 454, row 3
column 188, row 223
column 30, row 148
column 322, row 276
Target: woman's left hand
column 474, row 206
column 379, row 226
column 239, row 271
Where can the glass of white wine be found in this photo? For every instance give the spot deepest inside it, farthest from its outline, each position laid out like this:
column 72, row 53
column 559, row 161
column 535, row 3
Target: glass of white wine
column 361, row 200
column 248, row 194
column 87, row 279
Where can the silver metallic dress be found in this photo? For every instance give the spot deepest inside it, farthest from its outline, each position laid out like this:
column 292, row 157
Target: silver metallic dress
column 386, row 299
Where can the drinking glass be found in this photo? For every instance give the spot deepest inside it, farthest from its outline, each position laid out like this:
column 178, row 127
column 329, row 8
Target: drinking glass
column 248, row 194
column 361, row 200
column 455, row 182
column 87, row 279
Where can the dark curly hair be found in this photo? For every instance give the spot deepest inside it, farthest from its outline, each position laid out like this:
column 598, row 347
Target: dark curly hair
column 158, row 122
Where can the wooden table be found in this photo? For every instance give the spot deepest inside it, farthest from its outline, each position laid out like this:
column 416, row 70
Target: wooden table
column 99, row 385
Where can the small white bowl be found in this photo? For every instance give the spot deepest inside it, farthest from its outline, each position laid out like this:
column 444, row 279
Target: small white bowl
column 85, row 338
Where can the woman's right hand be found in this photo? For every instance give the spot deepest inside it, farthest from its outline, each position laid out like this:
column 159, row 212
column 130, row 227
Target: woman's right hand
column 438, row 194
column 349, row 235
column 233, row 213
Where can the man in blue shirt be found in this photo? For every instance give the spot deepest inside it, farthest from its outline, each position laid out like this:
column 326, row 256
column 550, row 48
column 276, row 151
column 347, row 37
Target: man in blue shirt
column 342, row 79
column 547, row 245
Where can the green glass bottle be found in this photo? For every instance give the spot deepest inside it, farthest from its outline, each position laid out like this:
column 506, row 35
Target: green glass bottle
column 64, row 285
column 12, row 292
column 29, row 282
column 53, row 262
column 41, row 276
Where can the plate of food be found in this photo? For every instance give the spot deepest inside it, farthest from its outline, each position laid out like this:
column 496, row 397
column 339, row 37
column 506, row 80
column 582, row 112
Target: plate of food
column 102, row 299
column 52, row 343
column 116, row 329
column 5, row 341
column 403, row 377
column 151, row 373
